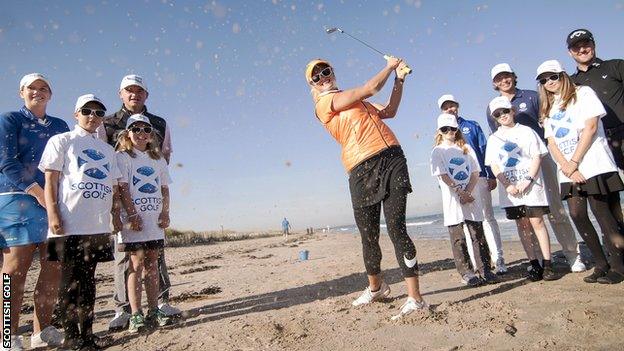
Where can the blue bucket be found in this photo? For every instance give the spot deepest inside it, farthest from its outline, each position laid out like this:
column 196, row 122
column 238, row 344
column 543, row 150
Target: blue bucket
column 303, row 255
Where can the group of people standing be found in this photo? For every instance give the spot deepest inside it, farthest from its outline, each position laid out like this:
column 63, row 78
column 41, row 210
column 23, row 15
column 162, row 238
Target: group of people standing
column 63, row 192
column 562, row 142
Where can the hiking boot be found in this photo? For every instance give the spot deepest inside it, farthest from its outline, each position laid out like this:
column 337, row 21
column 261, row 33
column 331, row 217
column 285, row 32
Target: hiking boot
column 410, row 306
column 593, row 278
column 369, row 296
column 535, row 274
column 137, row 322
column 157, row 317
column 549, row 274
column 612, row 277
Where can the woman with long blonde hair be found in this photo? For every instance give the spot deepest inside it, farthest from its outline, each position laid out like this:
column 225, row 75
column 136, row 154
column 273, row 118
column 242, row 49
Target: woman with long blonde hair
column 587, row 172
column 455, row 165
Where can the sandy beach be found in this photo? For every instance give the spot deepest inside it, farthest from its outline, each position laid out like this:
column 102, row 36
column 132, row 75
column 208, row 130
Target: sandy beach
column 256, row 295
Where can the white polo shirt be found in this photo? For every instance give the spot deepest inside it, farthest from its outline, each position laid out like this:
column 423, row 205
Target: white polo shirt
column 145, row 177
column 88, row 173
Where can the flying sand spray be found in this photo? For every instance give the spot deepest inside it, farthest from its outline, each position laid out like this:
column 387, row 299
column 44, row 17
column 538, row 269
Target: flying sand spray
column 407, row 69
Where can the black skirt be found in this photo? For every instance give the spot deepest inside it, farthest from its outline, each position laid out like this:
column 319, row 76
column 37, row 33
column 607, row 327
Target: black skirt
column 601, row 184
column 80, row 248
column 372, row 179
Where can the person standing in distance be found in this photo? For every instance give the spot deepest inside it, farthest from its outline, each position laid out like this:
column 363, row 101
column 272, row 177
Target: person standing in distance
column 486, row 182
column 526, row 105
column 285, row 227
column 606, row 78
column 133, row 93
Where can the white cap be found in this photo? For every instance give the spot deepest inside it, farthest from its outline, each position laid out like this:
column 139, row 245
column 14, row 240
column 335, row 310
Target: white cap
column 447, row 120
column 552, row 66
column 446, row 97
column 500, row 68
column 137, row 118
column 499, row 102
column 132, row 79
column 84, row 99
column 31, row 77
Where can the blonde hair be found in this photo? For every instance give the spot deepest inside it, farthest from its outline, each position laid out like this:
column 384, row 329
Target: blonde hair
column 547, row 99
column 125, row 144
column 459, row 140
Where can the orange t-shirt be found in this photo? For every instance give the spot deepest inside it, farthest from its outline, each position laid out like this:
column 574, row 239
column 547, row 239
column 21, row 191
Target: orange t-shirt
column 359, row 129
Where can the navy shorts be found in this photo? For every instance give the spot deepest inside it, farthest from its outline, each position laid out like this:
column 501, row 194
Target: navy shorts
column 22, row 221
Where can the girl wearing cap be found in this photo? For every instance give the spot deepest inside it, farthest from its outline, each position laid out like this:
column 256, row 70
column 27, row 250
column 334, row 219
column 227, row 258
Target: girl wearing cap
column 515, row 153
column 377, row 168
column 455, row 165
column 144, row 191
column 81, row 180
column 23, row 223
column 587, row 172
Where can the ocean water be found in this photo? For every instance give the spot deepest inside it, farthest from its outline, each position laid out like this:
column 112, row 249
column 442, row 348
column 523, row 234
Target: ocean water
column 432, row 227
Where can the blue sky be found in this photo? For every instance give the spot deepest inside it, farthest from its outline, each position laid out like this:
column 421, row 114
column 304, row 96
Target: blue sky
column 228, row 76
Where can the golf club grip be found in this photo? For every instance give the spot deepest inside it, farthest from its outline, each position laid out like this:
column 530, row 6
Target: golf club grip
column 405, row 69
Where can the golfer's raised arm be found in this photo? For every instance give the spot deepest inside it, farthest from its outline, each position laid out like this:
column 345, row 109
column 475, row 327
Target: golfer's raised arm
column 391, row 109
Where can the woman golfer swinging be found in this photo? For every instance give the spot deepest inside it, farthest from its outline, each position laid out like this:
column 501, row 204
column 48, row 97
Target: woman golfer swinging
column 377, row 170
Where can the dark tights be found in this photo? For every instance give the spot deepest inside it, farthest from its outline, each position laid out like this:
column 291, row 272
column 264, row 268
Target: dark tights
column 367, row 220
column 608, row 213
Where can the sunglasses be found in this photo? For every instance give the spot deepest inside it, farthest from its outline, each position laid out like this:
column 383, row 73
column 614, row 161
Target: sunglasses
column 448, row 129
column 500, row 112
column 88, row 112
column 146, row 130
column 326, row 72
column 553, row 78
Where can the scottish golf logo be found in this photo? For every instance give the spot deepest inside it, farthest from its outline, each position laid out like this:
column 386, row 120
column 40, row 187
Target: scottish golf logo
column 509, row 156
column 145, row 180
column 147, row 184
column 459, row 169
column 561, row 126
column 93, row 164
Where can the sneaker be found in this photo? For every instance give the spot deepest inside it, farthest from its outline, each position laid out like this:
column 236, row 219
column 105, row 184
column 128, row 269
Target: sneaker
column 410, row 306
column 490, row 278
column 368, row 296
column 593, row 278
column 157, row 317
column 169, row 310
column 119, row 322
column 471, row 280
column 549, row 274
column 501, row 268
column 535, row 274
column 578, row 266
column 137, row 322
column 49, row 336
column 16, row 344
column 612, row 277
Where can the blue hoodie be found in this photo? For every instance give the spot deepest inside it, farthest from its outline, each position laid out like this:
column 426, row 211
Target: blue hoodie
column 473, row 134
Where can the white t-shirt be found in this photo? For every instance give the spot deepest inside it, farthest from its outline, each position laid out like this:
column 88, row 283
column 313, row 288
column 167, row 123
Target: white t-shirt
column 511, row 150
column 567, row 126
column 88, row 173
column 451, row 160
column 145, row 177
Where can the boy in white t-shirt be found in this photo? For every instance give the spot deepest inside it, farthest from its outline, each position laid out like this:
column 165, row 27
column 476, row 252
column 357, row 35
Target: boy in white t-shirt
column 455, row 165
column 80, row 185
column 514, row 153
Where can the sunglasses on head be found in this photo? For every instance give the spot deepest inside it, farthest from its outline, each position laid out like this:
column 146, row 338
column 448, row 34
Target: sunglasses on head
column 447, row 129
column 136, row 130
column 553, row 77
column 87, row 112
column 326, row 72
column 500, row 112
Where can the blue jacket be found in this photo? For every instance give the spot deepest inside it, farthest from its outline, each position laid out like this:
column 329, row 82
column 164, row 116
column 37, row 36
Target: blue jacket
column 22, row 140
column 473, row 134
column 526, row 104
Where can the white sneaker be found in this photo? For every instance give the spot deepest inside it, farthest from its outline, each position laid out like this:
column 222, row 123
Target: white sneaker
column 501, row 268
column 49, row 336
column 169, row 310
column 368, row 296
column 410, row 306
column 120, row 321
column 16, row 344
column 578, row 265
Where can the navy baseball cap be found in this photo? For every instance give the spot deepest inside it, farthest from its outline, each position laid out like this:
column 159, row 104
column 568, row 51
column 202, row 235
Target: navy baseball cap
column 579, row 35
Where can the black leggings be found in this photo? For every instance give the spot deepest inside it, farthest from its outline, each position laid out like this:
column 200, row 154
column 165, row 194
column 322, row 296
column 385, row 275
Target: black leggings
column 367, row 220
column 77, row 298
column 608, row 213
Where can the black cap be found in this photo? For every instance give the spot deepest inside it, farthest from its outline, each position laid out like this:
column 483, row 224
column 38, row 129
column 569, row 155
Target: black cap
column 579, row 35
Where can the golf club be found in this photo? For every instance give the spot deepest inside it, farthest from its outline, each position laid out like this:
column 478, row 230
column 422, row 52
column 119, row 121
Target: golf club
column 407, row 69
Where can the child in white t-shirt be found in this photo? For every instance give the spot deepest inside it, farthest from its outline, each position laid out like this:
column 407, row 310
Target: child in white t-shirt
column 80, row 185
column 144, row 194
column 514, row 153
column 455, row 165
column 587, row 171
